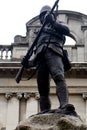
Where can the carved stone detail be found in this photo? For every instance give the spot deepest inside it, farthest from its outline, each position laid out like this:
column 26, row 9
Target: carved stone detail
column 8, row 96
column 32, row 94
column 22, row 95
column 37, row 96
column 19, row 95
column 84, row 27
column 27, row 95
column 85, row 96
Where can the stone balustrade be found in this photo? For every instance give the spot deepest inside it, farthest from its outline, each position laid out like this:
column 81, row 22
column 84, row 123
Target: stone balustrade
column 5, row 52
column 76, row 52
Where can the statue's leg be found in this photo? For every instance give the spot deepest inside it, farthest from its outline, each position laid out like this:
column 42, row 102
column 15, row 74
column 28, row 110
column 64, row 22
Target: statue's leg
column 61, row 91
column 45, row 104
column 43, row 87
column 55, row 65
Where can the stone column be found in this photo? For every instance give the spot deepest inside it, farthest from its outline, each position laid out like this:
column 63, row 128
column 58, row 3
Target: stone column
column 32, row 104
column 84, row 28
column 1, row 53
column 12, row 111
column 6, row 57
column 85, row 98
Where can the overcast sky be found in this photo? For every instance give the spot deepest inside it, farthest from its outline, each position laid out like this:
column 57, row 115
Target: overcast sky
column 14, row 14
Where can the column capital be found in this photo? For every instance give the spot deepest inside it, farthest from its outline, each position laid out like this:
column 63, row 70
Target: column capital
column 19, row 95
column 37, row 96
column 27, row 95
column 85, row 95
column 8, row 96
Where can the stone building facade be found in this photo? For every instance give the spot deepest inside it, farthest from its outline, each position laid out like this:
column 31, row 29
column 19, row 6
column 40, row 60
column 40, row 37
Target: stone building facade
column 19, row 101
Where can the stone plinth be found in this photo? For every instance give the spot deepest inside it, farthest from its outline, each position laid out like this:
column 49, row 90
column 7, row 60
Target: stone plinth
column 52, row 121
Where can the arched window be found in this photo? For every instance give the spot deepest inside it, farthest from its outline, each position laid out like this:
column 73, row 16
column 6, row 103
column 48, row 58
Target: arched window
column 70, row 41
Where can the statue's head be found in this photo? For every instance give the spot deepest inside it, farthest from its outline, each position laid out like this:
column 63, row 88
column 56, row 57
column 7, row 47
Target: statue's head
column 43, row 12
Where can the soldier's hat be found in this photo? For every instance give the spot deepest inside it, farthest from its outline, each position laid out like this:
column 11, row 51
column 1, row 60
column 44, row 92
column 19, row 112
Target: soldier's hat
column 44, row 9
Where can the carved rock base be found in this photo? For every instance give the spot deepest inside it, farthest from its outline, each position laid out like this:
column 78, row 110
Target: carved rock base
column 52, row 121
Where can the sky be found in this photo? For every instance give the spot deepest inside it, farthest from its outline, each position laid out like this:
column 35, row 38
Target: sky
column 14, row 14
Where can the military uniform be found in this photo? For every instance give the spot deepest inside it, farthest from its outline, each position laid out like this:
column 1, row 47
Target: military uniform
column 49, row 51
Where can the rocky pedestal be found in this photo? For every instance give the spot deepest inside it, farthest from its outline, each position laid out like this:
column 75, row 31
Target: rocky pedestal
column 53, row 120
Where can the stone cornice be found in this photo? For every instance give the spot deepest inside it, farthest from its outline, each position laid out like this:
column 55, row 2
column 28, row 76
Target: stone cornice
column 10, row 69
column 72, row 13
column 66, row 12
column 84, row 27
column 28, row 92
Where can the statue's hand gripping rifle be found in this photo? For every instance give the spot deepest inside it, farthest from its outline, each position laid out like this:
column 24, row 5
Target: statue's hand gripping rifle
column 30, row 51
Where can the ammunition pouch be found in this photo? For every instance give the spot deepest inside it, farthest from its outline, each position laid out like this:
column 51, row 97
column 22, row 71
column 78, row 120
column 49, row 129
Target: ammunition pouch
column 66, row 61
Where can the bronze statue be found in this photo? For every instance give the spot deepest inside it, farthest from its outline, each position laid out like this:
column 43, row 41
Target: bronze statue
column 49, row 58
column 50, row 53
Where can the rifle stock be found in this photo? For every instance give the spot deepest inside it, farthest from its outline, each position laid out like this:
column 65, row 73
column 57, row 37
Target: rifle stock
column 30, row 51
column 19, row 74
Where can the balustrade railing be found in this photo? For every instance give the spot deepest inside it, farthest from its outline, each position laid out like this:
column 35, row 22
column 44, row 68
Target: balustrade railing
column 5, row 52
column 76, row 52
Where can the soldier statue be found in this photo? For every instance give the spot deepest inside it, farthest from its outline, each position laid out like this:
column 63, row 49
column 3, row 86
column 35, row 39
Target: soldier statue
column 49, row 53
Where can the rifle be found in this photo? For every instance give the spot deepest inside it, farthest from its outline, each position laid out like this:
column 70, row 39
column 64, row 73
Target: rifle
column 30, row 51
